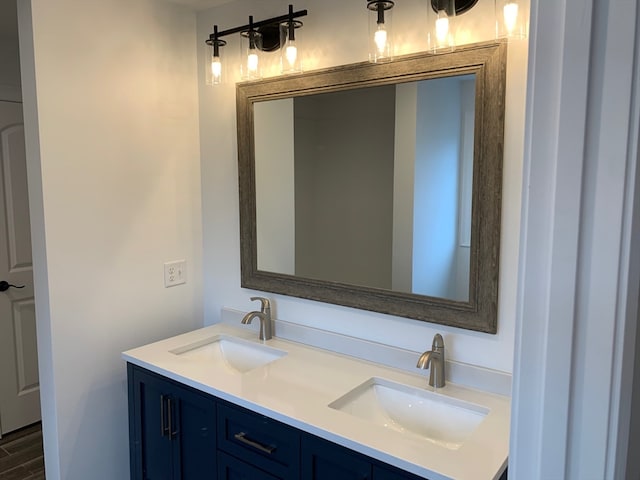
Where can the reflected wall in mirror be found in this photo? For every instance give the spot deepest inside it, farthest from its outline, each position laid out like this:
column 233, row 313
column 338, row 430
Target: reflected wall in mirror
column 378, row 186
column 399, row 157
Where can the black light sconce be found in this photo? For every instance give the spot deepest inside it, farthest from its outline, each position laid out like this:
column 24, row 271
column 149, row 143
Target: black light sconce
column 380, row 30
column 264, row 36
column 214, row 64
column 441, row 32
column 510, row 21
column 441, row 35
column 290, row 60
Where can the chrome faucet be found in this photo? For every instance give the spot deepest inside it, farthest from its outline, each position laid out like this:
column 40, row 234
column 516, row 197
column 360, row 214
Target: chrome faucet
column 434, row 361
column 265, row 318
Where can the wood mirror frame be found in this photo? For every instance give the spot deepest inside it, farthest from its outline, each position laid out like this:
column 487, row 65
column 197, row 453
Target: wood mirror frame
column 488, row 62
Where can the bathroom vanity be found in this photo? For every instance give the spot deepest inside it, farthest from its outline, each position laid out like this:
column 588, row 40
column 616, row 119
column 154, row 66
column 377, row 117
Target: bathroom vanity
column 219, row 403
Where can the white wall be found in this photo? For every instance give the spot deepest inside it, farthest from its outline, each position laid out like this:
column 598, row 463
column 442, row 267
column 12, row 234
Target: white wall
column 275, row 186
column 112, row 144
column 344, row 188
column 441, row 159
column 334, row 33
column 436, row 192
column 403, row 181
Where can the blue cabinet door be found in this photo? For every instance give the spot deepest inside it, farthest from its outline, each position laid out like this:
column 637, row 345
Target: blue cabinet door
column 195, row 440
column 151, row 452
column 172, row 429
column 322, row 460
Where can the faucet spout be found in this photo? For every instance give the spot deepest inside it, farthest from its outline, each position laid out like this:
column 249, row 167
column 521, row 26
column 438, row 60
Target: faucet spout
column 264, row 315
column 248, row 318
column 425, row 360
column 434, row 361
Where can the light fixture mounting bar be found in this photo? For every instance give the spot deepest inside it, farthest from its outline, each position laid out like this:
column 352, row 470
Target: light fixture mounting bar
column 263, row 23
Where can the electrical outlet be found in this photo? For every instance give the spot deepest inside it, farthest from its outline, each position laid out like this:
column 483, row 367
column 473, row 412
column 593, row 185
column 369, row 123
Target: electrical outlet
column 175, row 273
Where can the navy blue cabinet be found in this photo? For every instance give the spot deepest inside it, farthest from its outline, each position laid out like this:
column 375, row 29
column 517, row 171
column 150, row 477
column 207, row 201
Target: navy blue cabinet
column 172, row 429
column 178, row 433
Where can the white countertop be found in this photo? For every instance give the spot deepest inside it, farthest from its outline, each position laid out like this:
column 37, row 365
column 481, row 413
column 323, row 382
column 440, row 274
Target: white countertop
column 297, row 389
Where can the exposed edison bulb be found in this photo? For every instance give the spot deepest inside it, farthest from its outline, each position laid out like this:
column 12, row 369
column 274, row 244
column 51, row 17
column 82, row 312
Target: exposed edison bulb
column 291, row 53
column 442, row 27
column 380, row 38
column 216, row 69
column 510, row 12
column 252, row 62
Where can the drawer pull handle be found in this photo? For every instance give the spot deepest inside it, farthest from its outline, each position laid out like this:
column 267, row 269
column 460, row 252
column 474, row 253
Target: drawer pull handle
column 242, row 437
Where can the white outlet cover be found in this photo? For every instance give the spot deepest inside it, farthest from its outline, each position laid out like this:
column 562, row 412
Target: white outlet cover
column 175, row 273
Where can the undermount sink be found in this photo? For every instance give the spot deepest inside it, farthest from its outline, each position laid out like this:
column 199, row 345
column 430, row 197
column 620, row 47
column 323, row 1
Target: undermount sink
column 434, row 417
column 235, row 354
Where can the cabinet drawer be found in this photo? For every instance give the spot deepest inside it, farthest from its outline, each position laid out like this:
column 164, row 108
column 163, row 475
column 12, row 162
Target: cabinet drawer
column 260, row 441
column 230, row 468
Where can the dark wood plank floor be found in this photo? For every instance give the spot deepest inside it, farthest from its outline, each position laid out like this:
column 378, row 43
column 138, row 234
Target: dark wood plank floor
column 21, row 456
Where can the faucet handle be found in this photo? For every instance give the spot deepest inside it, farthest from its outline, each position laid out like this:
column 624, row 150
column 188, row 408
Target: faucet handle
column 264, row 303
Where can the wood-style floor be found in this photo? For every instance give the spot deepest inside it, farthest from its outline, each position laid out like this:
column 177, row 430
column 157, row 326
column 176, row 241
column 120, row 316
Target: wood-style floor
column 21, row 455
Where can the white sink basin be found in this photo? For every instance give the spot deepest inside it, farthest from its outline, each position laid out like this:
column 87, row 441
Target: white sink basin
column 234, row 354
column 431, row 416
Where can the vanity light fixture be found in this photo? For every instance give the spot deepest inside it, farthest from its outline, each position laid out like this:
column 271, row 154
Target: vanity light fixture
column 511, row 19
column 250, row 44
column 289, row 59
column 255, row 37
column 214, row 61
column 380, row 33
column 441, row 20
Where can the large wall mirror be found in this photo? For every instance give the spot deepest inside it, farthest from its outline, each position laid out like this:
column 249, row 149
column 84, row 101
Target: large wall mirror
column 378, row 186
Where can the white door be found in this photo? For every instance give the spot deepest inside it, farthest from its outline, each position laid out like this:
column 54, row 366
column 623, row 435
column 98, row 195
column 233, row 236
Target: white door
column 19, row 386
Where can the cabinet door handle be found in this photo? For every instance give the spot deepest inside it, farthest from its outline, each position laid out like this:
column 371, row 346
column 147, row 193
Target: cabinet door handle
column 170, row 414
column 242, row 437
column 172, row 433
column 163, row 417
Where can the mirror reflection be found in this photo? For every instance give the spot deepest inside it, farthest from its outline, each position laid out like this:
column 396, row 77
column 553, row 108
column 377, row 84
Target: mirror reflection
column 369, row 186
